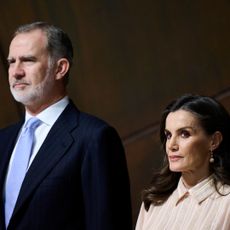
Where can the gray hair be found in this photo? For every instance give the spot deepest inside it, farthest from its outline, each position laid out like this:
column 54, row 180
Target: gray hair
column 59, row 44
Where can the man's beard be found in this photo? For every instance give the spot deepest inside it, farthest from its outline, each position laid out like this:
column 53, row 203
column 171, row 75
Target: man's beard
column 36, row 93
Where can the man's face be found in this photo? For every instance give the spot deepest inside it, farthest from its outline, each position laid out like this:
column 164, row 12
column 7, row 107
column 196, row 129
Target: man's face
column 31, row 76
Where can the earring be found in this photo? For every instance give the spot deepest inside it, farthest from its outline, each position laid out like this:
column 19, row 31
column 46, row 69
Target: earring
column 211, row 160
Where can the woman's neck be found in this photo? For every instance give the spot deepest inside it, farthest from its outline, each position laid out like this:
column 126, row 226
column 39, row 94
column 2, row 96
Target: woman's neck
column 189, row 180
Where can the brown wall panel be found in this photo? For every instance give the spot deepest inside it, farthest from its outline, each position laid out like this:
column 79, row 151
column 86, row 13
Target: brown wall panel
column 131, row 59
column 149, row 157
column 9, row 110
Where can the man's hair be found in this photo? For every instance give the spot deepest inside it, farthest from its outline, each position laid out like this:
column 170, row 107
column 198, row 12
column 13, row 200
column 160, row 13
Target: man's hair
column 59, row 44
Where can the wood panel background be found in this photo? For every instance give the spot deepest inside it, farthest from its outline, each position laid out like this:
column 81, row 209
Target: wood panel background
column 131, row 59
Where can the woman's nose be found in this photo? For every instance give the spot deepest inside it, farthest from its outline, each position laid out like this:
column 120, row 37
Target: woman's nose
column 172, row 144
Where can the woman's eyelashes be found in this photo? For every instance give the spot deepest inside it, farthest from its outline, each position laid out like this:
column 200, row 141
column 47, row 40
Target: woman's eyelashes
column 182, row 133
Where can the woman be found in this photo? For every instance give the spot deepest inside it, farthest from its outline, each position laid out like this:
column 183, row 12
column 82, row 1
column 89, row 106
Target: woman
column 192, row 190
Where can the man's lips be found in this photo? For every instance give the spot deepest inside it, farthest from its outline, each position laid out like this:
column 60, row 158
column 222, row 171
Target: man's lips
column 19, row 85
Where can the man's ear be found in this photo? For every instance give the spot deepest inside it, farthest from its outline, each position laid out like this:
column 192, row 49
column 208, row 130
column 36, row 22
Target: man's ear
column 217, row 138
column 62, row 68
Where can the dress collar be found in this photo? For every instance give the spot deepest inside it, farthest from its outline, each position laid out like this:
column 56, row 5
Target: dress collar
column 199, row 192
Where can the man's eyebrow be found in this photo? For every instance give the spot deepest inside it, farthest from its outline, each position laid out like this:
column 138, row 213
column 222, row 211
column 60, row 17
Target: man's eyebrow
column 22, row 58
column 29, row 57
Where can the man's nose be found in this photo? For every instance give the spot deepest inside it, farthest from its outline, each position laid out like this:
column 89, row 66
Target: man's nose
column 16, row 70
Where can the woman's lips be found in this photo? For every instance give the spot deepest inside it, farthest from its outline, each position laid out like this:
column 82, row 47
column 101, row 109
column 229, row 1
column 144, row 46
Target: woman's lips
column 175, row 158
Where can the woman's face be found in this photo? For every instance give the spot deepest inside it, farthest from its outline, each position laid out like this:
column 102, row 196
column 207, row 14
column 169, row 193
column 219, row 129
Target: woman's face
column 187, row 144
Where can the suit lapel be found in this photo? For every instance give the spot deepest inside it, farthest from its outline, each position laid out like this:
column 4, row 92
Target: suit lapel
column 52, row 150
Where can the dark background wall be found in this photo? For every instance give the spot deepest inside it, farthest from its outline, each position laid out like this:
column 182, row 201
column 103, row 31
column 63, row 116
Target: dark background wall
column 131, row 58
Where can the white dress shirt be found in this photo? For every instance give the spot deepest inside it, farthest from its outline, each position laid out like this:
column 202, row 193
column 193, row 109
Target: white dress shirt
column 48, row 118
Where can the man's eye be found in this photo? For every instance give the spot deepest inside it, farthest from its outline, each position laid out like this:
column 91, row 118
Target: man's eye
column 28, row 60
column 185, row 134
column 10, row 62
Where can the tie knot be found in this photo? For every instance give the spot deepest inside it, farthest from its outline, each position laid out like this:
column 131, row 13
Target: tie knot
column 32, row 123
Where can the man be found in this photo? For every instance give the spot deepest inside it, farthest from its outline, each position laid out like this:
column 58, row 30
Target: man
column 77, row 174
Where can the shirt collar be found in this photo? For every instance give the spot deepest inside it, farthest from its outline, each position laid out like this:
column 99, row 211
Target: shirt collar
column 51, row 114
column 199, row 192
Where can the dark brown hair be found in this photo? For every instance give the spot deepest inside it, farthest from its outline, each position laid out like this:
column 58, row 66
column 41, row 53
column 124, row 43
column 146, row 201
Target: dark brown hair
column 212, row 117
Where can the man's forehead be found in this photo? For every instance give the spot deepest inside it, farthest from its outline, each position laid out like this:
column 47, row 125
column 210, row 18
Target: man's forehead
column 36, row 34
column 28, row 42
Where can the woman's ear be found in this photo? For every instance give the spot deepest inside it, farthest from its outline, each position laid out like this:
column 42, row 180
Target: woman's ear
column 217, row 138
column 62, row 68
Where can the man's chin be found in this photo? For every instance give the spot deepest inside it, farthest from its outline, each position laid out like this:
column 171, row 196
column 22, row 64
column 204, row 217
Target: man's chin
column 22, row 99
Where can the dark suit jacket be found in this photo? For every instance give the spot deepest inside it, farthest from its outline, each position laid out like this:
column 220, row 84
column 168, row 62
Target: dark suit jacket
column 78, row 180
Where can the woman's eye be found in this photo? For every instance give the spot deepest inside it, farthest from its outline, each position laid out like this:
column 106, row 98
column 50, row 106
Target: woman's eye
column 185, row 134
column 168, row 135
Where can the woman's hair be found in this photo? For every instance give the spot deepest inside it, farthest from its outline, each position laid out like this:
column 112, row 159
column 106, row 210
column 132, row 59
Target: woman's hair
column 212, row 117
column 59, row 44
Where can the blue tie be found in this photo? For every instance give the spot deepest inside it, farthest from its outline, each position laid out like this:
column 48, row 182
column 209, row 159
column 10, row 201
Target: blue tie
column 19, row 166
